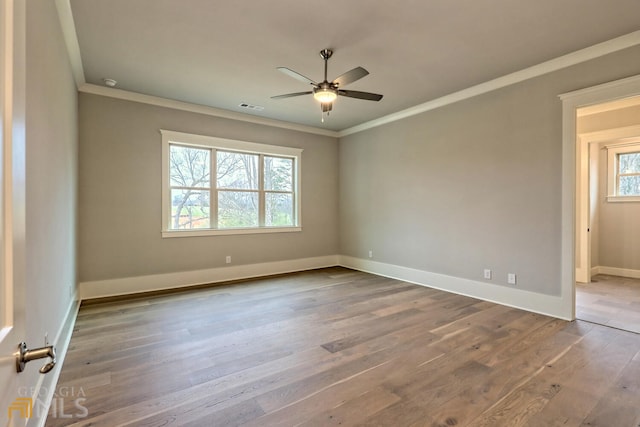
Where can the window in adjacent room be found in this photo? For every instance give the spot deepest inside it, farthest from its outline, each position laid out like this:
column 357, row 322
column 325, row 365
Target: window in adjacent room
column 221, row 186
column 623, row 172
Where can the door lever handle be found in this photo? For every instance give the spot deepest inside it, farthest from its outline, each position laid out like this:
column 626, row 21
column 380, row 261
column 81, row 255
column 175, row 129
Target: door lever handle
column 25, row 355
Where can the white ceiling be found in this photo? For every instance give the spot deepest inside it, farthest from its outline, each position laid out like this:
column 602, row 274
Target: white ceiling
column 223, row 53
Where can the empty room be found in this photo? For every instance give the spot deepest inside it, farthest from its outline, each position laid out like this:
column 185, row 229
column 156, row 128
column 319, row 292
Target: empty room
column 289, row 213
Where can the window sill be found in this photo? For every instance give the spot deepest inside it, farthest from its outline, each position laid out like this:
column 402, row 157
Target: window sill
column 617, row 199
column 228, row 231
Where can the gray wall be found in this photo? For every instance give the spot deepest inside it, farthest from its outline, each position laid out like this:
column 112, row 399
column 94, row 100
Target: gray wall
column 51, row 178
column 473, row 185
column 120, row 194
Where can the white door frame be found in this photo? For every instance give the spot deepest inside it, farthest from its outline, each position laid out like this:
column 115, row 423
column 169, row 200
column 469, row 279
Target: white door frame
column 571, row 156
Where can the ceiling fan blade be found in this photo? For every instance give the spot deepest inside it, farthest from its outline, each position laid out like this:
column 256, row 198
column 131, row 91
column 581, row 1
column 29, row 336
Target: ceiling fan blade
column 350, row 76
column 297, row 75
column 290, row 95
column 360, row 95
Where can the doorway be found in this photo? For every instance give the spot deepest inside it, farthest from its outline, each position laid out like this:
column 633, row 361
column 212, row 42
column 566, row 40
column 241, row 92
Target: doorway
column 571, row 223
column 607, row 225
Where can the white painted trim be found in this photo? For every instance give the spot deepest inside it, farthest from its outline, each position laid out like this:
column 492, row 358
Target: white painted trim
column 595, row 51
column 623, row 199
column 214, row 143
column 170, row 234
column 61, row 342
column 586, row 54
column 571, row 102
column 615, row 271
column 530, row 301
column 68, row 26
column 199, row 109
column 525, row 300
column 157, row 282
column 602, row 93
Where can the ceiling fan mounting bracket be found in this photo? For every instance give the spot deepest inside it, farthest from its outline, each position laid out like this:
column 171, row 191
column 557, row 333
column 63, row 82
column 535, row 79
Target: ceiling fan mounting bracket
column 326, row 54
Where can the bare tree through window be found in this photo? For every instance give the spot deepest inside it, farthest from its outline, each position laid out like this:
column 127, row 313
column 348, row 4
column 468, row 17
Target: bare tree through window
column 629, row 174
column 249, row 189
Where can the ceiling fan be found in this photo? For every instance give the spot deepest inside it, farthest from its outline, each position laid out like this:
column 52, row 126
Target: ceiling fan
column 326, row 92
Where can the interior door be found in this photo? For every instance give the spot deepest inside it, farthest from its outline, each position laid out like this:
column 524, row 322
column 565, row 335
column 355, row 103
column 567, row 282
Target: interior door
column 12, row 232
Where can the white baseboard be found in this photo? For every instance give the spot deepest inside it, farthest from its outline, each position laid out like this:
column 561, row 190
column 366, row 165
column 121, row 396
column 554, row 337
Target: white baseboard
column 46, row 386
column 158, row 282
column 614, row 271
column 556, row 306
column 549, row 305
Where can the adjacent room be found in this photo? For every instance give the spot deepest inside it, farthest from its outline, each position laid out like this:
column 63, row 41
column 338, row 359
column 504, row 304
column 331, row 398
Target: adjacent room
column 287, row 213
column 608, row 291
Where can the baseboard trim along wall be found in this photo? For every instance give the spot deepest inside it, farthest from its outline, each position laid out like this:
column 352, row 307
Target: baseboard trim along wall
column 538, row 303
column 160, row 282
column 530, row 301
column 615, row 271
column 45, row 388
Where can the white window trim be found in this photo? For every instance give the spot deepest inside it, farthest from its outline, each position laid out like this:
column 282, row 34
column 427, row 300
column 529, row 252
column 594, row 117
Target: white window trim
column 613, row 150
column 187, row 139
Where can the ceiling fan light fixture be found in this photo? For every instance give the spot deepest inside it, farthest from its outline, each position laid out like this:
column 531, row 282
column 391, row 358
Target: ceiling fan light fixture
column 325, row 95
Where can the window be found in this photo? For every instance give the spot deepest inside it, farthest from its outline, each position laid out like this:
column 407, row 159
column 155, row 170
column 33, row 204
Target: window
column 624, row 172
column 219, row 186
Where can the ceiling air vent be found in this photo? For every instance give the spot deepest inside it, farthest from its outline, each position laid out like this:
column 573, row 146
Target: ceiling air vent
column 251, row 107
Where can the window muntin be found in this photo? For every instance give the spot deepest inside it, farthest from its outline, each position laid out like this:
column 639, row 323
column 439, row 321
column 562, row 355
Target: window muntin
column 256, row 188
column 623, row 170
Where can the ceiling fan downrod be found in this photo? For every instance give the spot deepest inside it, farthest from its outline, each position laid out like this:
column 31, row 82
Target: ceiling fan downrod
column 326, row 54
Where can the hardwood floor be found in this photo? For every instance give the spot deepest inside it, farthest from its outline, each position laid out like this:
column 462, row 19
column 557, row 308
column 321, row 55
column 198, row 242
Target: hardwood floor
column 611, row 301
column 339, row 347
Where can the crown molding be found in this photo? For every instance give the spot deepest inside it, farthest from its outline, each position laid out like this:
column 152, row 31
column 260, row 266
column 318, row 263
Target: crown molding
column 577, row 57
column 68, row 26
column 200, row 109
column 73, row 48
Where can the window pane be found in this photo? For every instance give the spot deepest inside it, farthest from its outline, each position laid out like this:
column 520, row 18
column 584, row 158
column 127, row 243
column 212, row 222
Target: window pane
column 278, row 174
column 189, row 167
column 629, row 163
column 190, row 209
column 237, row 170
column 237, row 209
column 629, row 185
column 278, row 209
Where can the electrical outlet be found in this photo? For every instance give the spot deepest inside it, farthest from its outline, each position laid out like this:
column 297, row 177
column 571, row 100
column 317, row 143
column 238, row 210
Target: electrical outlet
column 511, row 278
column 487, row 274
column 228, row 260
column 370, row 254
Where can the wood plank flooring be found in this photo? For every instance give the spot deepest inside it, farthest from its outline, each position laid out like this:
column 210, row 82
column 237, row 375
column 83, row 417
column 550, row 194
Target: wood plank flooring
column 611, row 301
column 339, row 347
